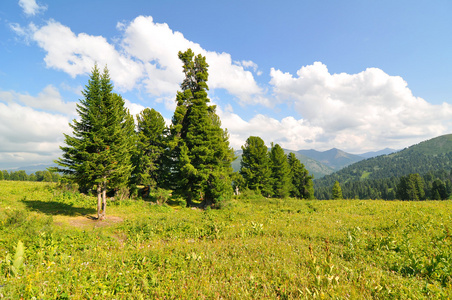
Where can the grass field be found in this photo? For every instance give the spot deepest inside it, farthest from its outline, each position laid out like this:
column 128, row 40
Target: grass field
column 252, row 248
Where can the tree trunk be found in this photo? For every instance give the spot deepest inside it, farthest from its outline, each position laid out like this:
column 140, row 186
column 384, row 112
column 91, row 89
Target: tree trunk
column 99, row 202
column 104, row 202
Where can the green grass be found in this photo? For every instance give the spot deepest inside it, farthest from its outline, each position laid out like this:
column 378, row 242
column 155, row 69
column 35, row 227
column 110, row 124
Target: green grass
column 253, row 248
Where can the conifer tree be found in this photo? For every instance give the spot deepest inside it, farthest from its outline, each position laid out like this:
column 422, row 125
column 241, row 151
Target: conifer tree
column 97, row 155
column 337, row 191
column 150, row 146
column 200, row 151
column 281, row 181
column 255, row 166
column 302, row 185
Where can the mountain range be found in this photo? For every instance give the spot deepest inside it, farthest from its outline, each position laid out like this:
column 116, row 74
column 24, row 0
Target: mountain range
column 321, row 163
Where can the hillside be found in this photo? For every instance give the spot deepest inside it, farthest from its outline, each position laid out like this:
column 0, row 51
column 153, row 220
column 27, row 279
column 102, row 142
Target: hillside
column 333, row 158
column 371, row 154
column 431, row 156
column 314, row 167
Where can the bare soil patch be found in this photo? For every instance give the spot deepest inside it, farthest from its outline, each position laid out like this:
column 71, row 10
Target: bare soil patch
column 91, row 221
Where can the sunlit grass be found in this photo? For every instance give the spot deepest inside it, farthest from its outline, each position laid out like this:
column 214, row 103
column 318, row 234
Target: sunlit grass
column 253, row 248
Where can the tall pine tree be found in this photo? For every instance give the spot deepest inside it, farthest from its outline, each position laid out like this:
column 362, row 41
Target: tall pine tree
column 255, row 166
column 200, row 153
column 151, row 144
column 97, row 155
column 281, row 180
column 302, row 185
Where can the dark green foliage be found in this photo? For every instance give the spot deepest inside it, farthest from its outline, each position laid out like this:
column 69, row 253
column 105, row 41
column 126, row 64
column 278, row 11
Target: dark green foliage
column 151, row 144
column 19, row 175
column 255, row 166
column 337, row 191
column 280, row 172
column 5, row 175
column 439, row 190
column 302, row 186
column 378, row 177
column 200, row 156
column 98, row 153
column 411, row 187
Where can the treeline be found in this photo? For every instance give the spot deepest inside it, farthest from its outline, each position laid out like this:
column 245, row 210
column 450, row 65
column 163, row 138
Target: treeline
column 434, row 185
column 109, row 153
column 272, row 173
column 21, row 175
column 388, row 166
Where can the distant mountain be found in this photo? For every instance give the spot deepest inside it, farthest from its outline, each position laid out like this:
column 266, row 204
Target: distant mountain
column 314, row 167
column 34, row 168
column 431, row 156
column 385, row 151
column 333, row 158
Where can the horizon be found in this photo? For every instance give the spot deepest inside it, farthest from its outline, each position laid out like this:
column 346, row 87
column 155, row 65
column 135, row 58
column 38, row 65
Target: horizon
column 356, row 76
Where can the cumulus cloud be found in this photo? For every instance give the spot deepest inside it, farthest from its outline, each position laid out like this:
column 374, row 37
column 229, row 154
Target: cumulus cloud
column 31, row 8
column 29, row 136
column 48, row 100
column 157, row 46
column 289, row 132
column 32, row 127
column 360, row 111
column 76, row 54
column 144, row 56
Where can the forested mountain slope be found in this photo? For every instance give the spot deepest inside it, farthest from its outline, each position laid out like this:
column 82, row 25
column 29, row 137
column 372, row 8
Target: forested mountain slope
column 314, row 167
column 379, row 173
column 333, row 158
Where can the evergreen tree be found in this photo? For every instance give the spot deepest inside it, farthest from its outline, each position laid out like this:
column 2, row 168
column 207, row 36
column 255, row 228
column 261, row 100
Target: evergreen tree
column 411, row 187
column 1, row 175
column 97, row 156
column 280, row 172
column 302, row 185
column 151, row 134
column 337, row 191
column 6, row 175
column 255, row 166
column 200, row 152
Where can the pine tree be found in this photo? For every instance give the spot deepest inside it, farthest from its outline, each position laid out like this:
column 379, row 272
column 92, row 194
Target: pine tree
column 280, row 175
column 200, row 152
column 97, row 156
column 302, row 185
column 411, row 187
column 255, row 166
column 337, row 191
column 151, row 135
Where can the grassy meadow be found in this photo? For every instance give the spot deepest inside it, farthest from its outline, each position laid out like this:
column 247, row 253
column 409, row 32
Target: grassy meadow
column 251, row 248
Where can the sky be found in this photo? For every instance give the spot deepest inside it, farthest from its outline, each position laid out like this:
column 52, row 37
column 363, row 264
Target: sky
column 358, row 75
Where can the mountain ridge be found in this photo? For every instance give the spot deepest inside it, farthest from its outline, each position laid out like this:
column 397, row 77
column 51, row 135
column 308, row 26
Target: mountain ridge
column 430, row 156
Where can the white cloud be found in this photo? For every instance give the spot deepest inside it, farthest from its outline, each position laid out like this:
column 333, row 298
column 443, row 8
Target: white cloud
column 157, row 46
column 31, row 128
column 289, row 133
column 145, row 56
column 25, row 130
column 48, row 100
column 134, row 108
column 76, row 54
column 361, row 111
column 31, row 8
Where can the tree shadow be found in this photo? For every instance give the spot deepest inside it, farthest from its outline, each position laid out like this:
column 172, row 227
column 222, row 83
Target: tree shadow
column 57, row 208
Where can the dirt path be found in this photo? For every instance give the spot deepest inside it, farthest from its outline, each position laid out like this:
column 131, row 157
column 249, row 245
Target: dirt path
column 90, row 221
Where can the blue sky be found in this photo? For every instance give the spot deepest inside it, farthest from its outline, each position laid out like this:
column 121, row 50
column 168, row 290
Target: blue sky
column 356, row 75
